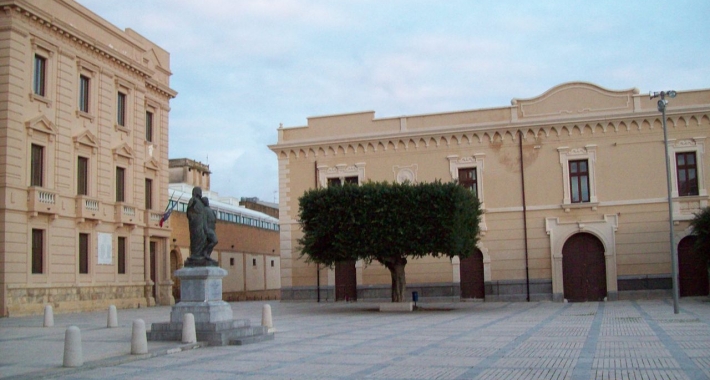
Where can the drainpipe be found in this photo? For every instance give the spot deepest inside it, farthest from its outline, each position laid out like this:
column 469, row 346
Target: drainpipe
column 315, row 171
column 525, row 218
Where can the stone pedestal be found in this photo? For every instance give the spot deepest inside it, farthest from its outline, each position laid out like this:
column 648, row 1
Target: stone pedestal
column 201, row 296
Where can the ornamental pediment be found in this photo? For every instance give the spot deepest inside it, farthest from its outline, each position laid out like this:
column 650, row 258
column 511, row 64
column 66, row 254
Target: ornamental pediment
column 40, row 124
column 576, row 98
column 123, row 150
column 85, row 138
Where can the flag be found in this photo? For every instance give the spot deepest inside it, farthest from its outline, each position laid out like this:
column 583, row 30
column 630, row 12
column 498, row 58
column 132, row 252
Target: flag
column 168, row 210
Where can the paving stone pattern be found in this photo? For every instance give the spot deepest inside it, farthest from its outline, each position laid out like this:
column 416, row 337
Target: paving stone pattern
column 488, row 340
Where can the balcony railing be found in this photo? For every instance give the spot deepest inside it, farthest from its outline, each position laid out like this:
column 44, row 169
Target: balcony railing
column 41, row 201
column 125, row 214
column 88, row 208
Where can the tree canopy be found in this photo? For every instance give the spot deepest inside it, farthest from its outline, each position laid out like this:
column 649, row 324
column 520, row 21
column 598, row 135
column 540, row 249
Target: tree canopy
column 388, row 223
column 701, row 229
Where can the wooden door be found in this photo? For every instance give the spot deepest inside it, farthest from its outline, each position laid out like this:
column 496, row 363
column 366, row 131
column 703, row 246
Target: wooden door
column 583, row 268
column 472, row 284
column 692, row 269
column 345, row 281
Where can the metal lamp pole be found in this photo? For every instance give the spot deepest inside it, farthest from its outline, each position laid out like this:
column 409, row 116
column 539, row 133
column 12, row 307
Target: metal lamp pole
column 674, row 254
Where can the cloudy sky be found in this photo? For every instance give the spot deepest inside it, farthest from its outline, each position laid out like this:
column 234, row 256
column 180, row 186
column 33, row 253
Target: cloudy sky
column 241, row 67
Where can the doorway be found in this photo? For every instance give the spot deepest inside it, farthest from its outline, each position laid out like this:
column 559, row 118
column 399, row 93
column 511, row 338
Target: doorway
column 345, row 281
column 584, row 268
column 472, row 283
column 692, row 269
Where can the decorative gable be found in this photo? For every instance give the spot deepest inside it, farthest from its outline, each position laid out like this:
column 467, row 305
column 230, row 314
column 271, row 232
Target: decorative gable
column 152, row 164
column 123, row 151
column 87, row 139
column 42, row 125
column 576, row 98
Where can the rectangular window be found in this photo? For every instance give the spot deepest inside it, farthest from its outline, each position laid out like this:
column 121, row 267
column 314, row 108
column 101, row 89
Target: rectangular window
column 148, row 194
column 121, row 109
column 148, row 126
column 333, row 182
column 83, row 253
column 37, row 165
column 687, row 170
column 37, row 251
column 82, row 176
column 579, row 181
column 40, row 75
column 84, row 82
column 468, row 179
column 121, row 255
column 120, row 184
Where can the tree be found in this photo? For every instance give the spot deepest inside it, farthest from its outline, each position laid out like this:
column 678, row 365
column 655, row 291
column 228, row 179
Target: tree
column 701, row 229
column 388, row 223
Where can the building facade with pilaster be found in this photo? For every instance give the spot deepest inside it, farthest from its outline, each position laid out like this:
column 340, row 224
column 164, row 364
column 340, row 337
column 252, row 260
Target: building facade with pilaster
column 83, row 162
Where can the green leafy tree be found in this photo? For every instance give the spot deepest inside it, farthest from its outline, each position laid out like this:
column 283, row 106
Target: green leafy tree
column 701, row 229
column 388, row 223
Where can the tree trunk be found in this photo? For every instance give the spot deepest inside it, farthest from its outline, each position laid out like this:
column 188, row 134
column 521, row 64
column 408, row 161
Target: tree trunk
column 399, row 282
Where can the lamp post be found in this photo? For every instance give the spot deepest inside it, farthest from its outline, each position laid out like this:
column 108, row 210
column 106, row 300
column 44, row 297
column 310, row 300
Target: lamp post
column 674, row 254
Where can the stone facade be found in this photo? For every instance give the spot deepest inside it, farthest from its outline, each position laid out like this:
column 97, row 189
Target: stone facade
column 577, row 162
column 84, row 157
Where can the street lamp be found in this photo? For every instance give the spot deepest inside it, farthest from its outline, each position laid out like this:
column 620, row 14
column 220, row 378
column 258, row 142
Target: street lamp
column 674, row 254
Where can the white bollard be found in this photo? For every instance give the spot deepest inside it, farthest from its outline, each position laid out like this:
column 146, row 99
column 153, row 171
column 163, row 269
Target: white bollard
column 189, row 335
column 73, row 356
column 48, row 316
column 266, row 320
column 139, row 339
column 112, row 320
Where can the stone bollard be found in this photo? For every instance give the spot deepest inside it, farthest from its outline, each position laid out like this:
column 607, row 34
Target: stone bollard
column 188, row 328
column 266, row 320
column 139, row 339
column 48, row 316
column 73, row 356
column 112, row 320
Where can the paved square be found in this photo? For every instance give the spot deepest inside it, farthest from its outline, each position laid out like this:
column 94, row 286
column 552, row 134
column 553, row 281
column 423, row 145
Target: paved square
column 539, row 340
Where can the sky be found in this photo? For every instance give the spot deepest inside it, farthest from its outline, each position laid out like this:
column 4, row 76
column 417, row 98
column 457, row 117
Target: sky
column 243, row 67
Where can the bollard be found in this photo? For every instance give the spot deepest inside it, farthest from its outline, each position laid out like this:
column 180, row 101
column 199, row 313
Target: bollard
column 48, row 316
column 139, row 339
column 73, row 356
column 188, row 328
column 266, row 320
column 112, row 320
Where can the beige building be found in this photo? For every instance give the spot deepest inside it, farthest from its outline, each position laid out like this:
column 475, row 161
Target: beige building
column 83, row 161
column 572, row 183
column 248, row 240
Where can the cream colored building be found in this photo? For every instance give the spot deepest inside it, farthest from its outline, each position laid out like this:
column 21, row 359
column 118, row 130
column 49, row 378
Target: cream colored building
column 575, row 209
column 83, row 161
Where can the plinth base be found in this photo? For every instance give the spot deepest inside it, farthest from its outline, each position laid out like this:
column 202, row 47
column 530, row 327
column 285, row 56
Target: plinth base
column 201, row 292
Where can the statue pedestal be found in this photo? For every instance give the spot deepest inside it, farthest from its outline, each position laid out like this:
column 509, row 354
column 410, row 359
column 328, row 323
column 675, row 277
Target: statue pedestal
column 201, row 295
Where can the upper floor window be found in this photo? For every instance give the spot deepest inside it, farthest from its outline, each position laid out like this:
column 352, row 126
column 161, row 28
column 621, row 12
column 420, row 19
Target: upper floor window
column 121, row 109
column 39, row 85
column 148, row 126
column 84, row 88
column 148, row 194
column 37, row 166
column 337, row 181
column 120, row 184
column 687, row 171
column 469, row 179
column 82, row 176
column 579, row 181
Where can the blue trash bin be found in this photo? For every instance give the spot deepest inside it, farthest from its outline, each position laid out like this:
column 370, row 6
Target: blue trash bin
column 415, row 297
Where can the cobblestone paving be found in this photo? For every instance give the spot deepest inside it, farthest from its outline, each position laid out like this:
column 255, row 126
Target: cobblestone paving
column 612, row 340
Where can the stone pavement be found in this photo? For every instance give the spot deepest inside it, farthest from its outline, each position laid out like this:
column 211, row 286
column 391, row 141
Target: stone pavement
column 486, row 340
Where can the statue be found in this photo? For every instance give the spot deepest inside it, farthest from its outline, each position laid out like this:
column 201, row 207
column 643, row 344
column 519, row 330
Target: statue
column 210, row 225
column 197, row 219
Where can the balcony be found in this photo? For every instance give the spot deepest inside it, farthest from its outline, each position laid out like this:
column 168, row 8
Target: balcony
column 88, row 208
column 152, row 218
column 125, row 214
column 41, row 201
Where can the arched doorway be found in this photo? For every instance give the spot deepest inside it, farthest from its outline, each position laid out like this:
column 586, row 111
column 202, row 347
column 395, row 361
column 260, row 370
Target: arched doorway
column 471, row 269
column 345, row 281
column 175, row 264
column 692, row 269
column 583, row 268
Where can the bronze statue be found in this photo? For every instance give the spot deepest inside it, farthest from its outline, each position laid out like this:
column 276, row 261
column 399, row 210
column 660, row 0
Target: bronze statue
column 197, row 216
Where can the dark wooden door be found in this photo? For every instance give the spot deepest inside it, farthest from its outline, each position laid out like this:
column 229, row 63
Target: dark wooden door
column 692, row 269
column 472, row 276
column 345, row 281
column 152, row 266
column 175, row 264
column 583, row 268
